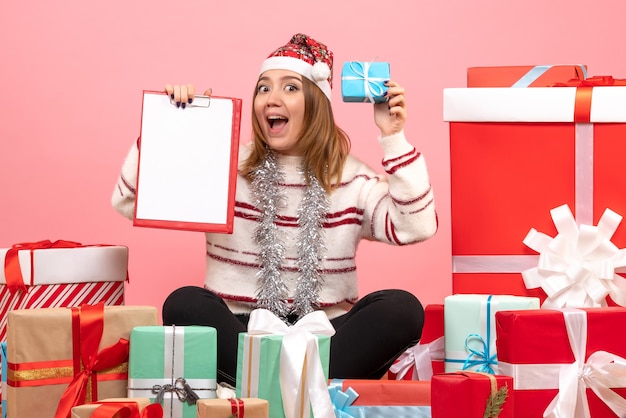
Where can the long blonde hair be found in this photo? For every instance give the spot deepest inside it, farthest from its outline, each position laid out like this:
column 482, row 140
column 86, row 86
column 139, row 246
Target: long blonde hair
column 323, row 145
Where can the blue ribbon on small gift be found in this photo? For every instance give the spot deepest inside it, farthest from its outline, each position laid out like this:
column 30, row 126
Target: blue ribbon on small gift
column 482, row 359
column 372, row 85
column 342, row 400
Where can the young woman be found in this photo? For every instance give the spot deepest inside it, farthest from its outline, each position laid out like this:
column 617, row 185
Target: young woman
column 303, row 203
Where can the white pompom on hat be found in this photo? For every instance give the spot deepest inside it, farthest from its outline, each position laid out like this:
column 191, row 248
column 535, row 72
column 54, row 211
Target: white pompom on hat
column 307, row 57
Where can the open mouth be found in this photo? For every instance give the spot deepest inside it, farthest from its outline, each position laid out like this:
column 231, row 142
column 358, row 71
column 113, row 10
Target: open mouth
column 277, row 122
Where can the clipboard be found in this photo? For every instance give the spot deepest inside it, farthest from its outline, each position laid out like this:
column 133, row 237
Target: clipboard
column 188, row 162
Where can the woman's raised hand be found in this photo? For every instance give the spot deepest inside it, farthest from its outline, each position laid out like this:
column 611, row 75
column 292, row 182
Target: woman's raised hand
column 182, row 94
column 391, row 115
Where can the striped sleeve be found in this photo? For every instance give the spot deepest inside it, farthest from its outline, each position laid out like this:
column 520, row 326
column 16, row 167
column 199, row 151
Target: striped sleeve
column 125, row 190
column 403, row 207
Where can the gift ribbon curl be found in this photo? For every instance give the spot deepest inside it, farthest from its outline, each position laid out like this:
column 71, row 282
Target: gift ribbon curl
column 577, row 268
column 482, row 358
column 421, row 355
column 303, row 385
column 370, row 84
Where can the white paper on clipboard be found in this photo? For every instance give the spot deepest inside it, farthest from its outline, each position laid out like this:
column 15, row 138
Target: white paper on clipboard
column 188, row 163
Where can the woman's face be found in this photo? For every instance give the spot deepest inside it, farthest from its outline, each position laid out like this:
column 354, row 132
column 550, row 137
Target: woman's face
column 279, row 109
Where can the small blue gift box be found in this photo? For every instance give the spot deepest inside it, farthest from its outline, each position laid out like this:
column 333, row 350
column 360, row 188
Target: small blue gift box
column 364, row 82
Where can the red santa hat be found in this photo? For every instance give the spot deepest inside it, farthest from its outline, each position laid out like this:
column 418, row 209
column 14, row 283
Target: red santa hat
column 307, row 57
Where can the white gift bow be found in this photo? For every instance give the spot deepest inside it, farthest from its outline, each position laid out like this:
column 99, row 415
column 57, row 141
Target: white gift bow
column 303, row 385
column 422, row 356
column 577, row 268
column 602, row 371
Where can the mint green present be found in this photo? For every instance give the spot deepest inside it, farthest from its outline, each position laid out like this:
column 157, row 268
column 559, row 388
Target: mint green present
column 173, row 365
column 364, row 82
column 259, row 365
column 470, row 329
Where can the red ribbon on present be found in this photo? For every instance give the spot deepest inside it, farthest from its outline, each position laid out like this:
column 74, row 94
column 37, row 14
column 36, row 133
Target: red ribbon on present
column 12, row 269
column 236, row 405
column 127, row 410
column 87, row 329
column 584, row 89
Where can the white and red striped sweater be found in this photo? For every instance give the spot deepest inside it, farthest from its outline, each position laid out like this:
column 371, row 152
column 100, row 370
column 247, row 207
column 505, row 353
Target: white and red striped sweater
column 397, row 209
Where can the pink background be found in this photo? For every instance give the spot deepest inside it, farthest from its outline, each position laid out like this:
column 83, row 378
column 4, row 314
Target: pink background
column 72, row 73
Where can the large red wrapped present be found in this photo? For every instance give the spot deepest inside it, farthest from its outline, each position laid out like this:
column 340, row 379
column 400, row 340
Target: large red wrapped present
column 466, row 394
column 567, row 363
column 51, row 274
column 364, row 398
column 531, row 150
column 524, row 75
column 58, row 358
column 426, row 357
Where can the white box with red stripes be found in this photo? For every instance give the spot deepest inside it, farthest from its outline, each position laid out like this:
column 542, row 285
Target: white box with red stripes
column 60, row 274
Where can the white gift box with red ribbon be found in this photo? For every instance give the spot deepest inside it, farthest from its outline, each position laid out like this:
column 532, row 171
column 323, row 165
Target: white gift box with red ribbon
column 51, row 275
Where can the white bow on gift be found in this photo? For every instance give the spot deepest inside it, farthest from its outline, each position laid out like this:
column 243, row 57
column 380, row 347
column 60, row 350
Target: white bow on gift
column 577, row 268
column 301, row 391
column 600, row 373
column 421, row 356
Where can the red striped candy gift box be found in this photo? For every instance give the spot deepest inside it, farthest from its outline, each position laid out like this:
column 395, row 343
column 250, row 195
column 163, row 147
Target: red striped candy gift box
column 55, row 274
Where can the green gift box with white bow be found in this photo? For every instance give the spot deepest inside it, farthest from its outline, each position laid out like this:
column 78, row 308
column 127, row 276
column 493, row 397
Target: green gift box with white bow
column 286, row 366
column 364, row 82
column 173, row 365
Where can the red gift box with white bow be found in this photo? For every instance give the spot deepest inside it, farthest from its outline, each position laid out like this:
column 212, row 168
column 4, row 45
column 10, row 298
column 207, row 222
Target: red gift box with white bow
column 517, row 153
column 568, row 363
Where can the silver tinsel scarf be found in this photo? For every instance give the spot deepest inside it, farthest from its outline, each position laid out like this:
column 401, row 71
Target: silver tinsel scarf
column 268, row 195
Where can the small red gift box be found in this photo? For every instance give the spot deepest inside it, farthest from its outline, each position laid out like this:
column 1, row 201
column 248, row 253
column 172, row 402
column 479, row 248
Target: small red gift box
column 466, row 394
column 572, row 358
column 524, row 75
column 532, row 150
column 426, row 357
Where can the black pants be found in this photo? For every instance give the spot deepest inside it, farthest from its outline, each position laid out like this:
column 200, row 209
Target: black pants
column 368, row 338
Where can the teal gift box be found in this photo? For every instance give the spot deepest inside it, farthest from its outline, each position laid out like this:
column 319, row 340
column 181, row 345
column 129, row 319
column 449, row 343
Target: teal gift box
column 364, row 82
column 470, row 329
column 173, row 365
column 259, row 358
